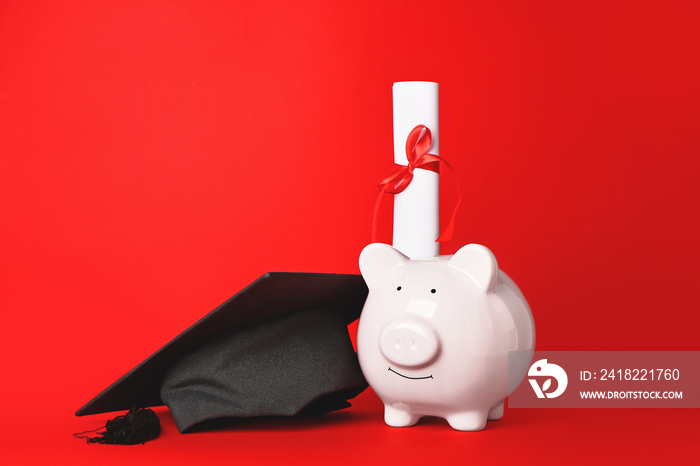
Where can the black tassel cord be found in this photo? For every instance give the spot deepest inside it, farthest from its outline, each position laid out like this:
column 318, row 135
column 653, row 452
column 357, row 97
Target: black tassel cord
column 139, row 425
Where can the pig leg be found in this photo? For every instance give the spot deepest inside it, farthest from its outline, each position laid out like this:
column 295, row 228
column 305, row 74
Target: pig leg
column 398, row 417
column 468, row 421
column 496, row 412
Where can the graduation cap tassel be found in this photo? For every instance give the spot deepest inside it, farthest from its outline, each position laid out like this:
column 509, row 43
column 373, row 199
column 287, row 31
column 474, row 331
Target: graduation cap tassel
column 139, row 425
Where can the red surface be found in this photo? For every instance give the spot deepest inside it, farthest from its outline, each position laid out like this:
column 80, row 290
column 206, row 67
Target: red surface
column 155, row 157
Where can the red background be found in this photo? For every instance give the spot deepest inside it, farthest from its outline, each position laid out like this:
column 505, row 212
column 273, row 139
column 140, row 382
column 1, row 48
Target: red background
column 155, row 157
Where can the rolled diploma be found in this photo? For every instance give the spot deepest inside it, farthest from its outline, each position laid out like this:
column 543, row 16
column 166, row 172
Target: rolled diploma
column 417, row 208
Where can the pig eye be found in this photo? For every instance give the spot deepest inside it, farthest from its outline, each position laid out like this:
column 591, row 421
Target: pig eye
column 433, row 291
column 398, row 288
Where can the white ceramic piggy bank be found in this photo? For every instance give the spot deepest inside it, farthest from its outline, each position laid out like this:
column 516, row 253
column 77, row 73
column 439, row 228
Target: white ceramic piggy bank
column 434, row 335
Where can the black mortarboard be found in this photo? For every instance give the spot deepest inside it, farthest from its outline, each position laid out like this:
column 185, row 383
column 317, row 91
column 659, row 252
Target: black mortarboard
column 279, row 347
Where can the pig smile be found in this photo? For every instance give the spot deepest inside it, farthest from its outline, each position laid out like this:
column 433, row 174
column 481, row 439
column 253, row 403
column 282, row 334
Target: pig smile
column 411, row 378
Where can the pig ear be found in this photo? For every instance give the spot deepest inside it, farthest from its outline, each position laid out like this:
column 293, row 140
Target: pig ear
column 377, row 258
column 479, row 263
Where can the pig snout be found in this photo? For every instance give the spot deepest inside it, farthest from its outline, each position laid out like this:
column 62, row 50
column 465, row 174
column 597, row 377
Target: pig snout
column 409, row 343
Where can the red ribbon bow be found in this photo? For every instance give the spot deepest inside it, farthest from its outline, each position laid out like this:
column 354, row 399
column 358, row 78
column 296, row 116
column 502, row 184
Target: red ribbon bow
column 417, row 145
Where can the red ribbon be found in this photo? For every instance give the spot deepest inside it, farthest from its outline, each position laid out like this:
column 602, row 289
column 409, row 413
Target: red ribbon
column 417, row 145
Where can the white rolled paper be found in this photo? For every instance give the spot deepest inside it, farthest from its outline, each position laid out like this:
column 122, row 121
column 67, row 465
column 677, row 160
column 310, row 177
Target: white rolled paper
column 417, row 208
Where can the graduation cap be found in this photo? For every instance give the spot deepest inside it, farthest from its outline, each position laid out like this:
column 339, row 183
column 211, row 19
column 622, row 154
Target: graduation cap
column 279, row 347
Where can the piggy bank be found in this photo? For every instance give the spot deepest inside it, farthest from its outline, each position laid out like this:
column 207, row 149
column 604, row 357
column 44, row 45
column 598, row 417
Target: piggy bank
column 434, row 335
